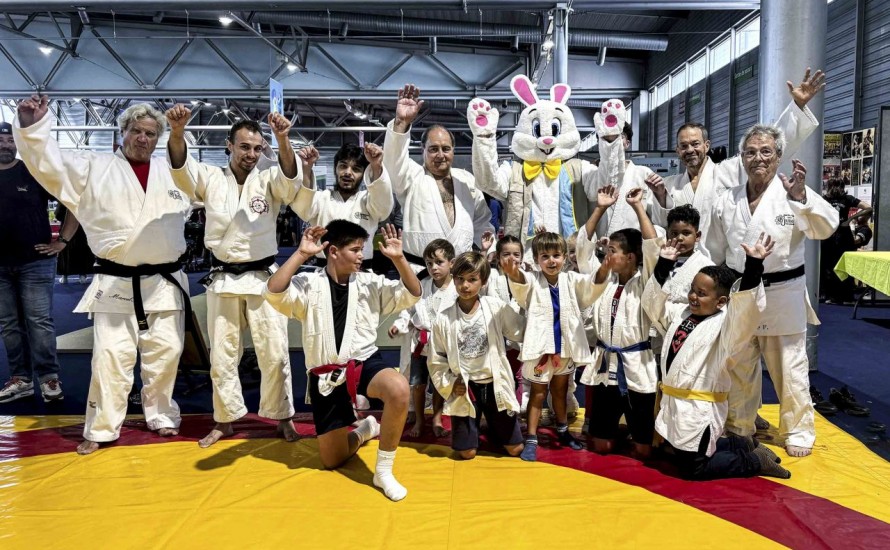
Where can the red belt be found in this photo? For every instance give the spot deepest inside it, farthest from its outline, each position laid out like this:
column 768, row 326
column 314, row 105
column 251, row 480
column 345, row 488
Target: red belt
column 353, row 370
column 423, row 339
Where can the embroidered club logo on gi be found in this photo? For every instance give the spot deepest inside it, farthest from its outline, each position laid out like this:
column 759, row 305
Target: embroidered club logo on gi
column 361, row 216
column 174, row 194
column 259, row 205
column 785, row 219
column 98, row 294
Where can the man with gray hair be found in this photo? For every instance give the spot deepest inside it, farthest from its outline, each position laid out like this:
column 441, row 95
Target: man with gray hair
column 134, row 218
column 703, row 180
column 788, row 211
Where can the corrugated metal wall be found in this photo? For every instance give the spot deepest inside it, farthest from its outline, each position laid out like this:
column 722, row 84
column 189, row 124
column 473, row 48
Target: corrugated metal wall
column 875, row 62
column 661, row 128
column 840, row 65
column 746, row 95
column 695, row 103
column 718, row 107
column 678, row 118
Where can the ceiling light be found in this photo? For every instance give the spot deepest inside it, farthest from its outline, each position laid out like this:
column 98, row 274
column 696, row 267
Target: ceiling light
column 226, row 111
column 225, row 20
column 547, row 45
column 46, row 50
column 75, row 99
column 207, row 103
column 291, row 67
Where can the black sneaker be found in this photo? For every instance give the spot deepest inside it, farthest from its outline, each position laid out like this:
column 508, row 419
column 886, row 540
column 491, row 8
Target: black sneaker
column 846, row 402
column 568, row 440
column 822, row 405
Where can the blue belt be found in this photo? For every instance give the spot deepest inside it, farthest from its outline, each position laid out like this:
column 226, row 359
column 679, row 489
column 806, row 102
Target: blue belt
column 609, row 350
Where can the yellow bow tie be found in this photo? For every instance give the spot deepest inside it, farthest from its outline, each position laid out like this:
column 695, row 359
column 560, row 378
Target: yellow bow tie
column 551, row 169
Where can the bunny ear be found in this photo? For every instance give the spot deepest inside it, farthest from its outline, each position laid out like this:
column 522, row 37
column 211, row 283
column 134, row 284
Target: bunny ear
column 560, row 93
column 524, row 89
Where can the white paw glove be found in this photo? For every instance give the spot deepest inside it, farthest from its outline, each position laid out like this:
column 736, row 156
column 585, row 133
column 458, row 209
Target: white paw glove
column 483, row 119
column 611, row 118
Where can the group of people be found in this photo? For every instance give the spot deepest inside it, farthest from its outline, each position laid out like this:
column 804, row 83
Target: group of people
column 597, row 267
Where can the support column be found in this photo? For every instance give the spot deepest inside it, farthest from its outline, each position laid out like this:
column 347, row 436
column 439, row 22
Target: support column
column 561, row 43
column 792, row 38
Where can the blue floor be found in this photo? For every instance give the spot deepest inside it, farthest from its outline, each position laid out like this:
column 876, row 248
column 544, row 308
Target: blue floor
column 855, row 353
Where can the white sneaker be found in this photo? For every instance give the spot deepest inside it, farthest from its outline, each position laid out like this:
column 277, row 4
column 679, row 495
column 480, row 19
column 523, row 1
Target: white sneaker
column 52, row 390
column 16, row 388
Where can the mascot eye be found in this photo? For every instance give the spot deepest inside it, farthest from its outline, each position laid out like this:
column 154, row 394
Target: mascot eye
column 536, row 128
column 555, row 126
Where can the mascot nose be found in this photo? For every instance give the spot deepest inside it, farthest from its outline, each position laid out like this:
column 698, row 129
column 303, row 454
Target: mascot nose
column 547, row 141
column 611, row 120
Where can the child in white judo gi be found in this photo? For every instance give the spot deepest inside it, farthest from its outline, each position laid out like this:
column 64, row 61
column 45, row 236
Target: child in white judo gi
column 438, row 293
column 702, row 343
column 623, row 371
column 555, row 340
column 468, row 361
column 340, row 310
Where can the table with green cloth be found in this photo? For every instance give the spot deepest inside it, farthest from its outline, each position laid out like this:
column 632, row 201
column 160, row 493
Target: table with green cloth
column 872, row 268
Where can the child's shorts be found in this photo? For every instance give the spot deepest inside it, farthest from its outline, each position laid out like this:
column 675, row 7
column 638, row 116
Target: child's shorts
column 503, row 428
column 608, row 406
column 334, row 411
column 535, row 372
column 420, row 371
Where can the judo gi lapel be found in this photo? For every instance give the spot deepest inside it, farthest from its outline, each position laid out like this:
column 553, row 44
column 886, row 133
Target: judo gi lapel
column 151, row 201
column 702, row 197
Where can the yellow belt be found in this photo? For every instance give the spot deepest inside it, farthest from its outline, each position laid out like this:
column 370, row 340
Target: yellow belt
column 695, row 395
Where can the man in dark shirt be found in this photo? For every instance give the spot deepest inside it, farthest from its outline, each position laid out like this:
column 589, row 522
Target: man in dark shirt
column 843, row 240
column 27, row 270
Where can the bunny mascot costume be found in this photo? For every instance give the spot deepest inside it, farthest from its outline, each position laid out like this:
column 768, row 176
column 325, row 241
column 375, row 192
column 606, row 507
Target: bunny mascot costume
column 550, row 188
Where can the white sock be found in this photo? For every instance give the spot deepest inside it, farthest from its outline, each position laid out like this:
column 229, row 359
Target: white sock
column 366, row 429
column 384, row 479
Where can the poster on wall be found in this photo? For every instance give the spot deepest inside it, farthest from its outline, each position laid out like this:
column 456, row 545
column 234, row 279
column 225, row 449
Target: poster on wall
column 831, row 157
column 856, row 163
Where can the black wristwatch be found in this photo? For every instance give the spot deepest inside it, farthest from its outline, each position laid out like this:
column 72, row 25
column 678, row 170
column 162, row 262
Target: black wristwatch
column 63, row 240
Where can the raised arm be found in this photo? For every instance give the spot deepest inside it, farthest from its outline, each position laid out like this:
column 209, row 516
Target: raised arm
column 490, row 178
column 189, row 175
column 63, row 174
column 401, row 168
column 379, row 199
column 606, row 196
column 287, row 160
column 310, row 245
column 391, row 247
column 635, row 200
column 812, row 214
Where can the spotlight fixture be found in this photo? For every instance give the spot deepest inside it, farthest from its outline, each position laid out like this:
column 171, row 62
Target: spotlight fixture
column 46, row 50
column 291, row 67
column 225, row 20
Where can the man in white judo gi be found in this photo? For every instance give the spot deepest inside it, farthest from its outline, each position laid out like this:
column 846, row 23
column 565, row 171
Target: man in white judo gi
column 790, row 212
column 368, row 207
column 704, row 179
column 134, row 218
column 438, row 201
column 242, row 204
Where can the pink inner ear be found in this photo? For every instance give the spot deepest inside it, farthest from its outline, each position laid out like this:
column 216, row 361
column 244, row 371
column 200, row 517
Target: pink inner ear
column 559, row 93
column 522, row 89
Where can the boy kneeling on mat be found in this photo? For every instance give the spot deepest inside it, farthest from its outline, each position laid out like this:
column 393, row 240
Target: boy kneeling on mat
column 701, row 342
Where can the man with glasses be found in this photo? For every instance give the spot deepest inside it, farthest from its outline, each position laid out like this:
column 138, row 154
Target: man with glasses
column 704, row 180
column 788, row 211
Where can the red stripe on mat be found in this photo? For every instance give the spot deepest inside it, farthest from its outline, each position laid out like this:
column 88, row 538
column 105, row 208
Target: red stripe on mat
column 782, row 514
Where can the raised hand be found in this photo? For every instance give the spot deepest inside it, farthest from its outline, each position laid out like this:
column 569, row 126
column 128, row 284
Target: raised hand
column 311, row 244
column 762, row 248
column 656, row 184
column 374, row 154
column 482, row 118
column 308, row 157
column 669, row 250
column 32, row 110
column 510, row 268
column 606, row 196
column 487, row 241
column 796, row 185
column 634, row 197
column 280, row 126
column 408, row 106
column 177, row 118
column 540, row 228
column 808, row 87
column 391, row 247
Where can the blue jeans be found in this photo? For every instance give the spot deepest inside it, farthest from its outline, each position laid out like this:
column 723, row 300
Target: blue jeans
column 26, row 319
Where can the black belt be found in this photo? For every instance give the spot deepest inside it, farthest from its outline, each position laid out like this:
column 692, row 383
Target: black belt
column 779, row 276
column 219, row 266
column 135, row 273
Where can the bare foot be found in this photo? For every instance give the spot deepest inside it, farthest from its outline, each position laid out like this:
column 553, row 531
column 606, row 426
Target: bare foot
column 794, row 450
column 87, row 447
column 168, row 432
column 287, row 429
column 440, row 431
column 412, row 418
column 221, row 430
column 417, row 430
